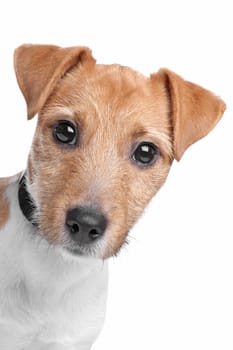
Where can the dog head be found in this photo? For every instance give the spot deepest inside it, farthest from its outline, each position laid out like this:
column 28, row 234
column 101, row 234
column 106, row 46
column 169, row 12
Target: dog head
column 105, row 140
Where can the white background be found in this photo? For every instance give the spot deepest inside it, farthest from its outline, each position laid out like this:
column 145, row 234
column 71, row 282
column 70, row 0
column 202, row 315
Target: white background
column 172, row 287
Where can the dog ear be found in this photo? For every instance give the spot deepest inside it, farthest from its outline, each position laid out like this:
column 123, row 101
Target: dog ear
column 38, row 68
column 194, row 110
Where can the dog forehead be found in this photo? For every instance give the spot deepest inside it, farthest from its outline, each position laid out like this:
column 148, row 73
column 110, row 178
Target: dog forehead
column 108, row 92
column 103, row 85
column 113, row 78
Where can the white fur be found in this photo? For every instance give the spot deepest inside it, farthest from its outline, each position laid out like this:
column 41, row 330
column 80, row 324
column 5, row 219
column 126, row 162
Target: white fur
column 47, row 301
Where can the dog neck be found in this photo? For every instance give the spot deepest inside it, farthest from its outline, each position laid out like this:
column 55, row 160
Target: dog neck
column 26, row 202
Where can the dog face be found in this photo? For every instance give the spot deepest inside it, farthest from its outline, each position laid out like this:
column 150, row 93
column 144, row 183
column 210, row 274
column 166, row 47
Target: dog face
column 104, row 143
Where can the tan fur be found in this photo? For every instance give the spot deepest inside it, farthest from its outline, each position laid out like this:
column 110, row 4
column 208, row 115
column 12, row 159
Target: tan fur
column 45, row 65
column 114, row 108
column 195, row 111
column 4, row 205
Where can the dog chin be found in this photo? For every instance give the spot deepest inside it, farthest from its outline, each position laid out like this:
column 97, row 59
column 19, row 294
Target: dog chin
column 79, row 253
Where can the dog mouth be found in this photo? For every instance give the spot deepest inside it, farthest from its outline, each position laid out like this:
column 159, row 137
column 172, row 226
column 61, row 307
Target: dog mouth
column 81, row 251
column 102, row 248
column 76, row 249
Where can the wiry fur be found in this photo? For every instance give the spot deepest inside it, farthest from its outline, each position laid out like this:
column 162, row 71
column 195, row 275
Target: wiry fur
column 51, row 299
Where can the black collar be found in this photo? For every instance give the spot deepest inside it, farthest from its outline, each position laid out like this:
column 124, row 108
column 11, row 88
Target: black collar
column 26, row 203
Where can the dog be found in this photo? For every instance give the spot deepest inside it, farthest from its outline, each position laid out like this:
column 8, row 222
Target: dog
column 105, row 140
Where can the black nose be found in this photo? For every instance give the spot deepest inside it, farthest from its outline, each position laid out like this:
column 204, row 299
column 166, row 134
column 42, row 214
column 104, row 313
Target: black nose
column 85, row 224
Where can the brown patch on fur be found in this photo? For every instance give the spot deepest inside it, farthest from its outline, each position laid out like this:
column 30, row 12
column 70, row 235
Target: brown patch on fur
column 4, row 205
column 29, row 170
column 114, row 109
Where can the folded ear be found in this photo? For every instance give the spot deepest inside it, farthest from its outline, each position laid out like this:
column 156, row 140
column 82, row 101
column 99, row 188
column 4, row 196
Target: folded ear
column 38, row 68
column 194, row 110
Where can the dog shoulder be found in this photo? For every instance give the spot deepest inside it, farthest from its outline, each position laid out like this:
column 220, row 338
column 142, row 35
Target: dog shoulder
column 4, row 202
column 5, row 183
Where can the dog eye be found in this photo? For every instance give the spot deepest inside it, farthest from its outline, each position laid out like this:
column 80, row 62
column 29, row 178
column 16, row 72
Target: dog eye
column 146, row 153
column 65, row 132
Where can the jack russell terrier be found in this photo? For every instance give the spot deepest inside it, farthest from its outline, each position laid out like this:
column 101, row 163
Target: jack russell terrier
column 104, row 143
